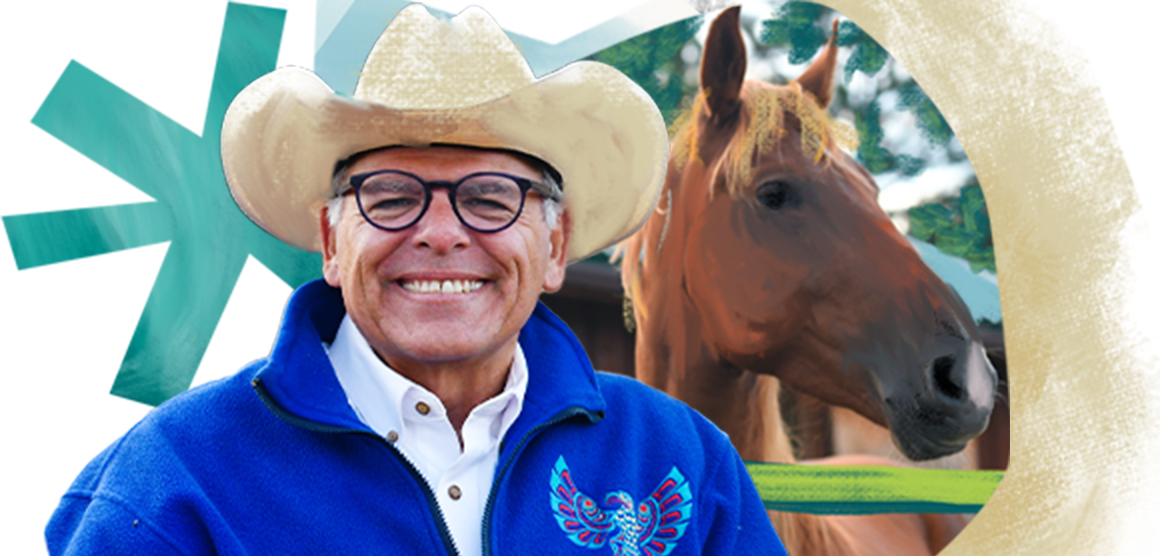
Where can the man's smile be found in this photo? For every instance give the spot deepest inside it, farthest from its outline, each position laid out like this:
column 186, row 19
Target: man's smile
column 441, row 286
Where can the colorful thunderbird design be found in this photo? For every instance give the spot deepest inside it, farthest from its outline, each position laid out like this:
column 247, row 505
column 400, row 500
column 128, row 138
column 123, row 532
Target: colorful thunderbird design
column 650, row 527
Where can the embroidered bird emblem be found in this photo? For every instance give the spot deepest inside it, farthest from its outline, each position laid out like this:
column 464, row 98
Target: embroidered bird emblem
column 650, row 527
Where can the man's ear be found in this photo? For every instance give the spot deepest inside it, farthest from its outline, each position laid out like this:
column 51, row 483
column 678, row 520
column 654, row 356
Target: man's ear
column 329, row 247
column 558, row 256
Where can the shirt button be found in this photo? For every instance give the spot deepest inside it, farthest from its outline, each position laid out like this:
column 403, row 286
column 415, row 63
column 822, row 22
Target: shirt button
column 422, row 408
column 392, row 437
column 454, row 492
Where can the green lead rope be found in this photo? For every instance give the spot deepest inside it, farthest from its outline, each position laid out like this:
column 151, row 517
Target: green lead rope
column 856, row 490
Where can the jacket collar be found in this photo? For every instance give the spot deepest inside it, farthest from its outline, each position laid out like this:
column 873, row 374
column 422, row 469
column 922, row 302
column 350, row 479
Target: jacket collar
column 299, row 379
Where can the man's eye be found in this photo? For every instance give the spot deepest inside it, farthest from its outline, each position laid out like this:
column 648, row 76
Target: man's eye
column 777, row 194
column 481, row 203
column 392, row 204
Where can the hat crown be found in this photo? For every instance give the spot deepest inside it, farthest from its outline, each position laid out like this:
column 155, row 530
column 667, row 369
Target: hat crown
column 423, row 63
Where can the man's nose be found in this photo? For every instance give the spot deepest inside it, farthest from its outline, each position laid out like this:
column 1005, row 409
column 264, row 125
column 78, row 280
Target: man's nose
column 439, row 229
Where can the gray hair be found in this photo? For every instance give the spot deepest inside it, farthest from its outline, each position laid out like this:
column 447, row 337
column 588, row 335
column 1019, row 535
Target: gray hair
column 551, row 207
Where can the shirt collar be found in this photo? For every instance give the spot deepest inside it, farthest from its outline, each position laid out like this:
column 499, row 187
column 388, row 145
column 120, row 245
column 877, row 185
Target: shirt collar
column 378, row 393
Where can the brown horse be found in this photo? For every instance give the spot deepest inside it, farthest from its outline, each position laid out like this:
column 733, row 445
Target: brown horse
column 770, row 260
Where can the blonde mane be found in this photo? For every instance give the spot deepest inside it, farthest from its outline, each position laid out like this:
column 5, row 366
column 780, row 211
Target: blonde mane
column 764, row 119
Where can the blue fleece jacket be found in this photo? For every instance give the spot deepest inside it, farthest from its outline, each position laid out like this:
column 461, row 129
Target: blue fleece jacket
column 274, row 461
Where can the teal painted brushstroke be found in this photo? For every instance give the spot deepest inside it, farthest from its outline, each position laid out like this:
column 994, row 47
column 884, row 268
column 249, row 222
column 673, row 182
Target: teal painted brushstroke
column 209, row 236
column 856, row 490
column 34, row 237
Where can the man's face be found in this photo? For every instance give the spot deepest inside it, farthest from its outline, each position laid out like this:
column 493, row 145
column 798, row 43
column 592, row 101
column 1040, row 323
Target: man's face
column 378, row 270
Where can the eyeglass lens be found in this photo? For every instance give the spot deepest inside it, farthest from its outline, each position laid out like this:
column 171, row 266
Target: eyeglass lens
column 483, row 202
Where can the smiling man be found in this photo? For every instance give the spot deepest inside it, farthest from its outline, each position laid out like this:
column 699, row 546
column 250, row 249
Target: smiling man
column 443, row 298
column 419, row 399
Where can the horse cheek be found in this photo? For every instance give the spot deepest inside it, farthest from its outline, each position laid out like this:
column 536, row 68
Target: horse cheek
column 743, row 290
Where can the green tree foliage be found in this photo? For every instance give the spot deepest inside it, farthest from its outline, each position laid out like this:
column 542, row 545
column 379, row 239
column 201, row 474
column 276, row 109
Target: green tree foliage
column 871, row 153
column 803, row 28
column 653, row 61
column 958, row 226
column 932, row 123
column 868, row 56
column 798, row 26
column 875, row 157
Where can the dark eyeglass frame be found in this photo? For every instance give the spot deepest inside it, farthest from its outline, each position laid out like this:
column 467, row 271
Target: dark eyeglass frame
column 356, row 181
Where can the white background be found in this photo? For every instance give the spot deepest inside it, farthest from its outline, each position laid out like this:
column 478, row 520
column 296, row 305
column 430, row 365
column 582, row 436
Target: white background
column 29, row 461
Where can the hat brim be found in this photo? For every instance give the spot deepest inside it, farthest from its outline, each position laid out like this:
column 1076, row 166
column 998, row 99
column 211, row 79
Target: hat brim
column 284, row 133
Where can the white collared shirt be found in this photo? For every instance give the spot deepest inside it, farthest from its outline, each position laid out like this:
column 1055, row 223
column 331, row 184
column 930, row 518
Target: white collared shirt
column 415, row 421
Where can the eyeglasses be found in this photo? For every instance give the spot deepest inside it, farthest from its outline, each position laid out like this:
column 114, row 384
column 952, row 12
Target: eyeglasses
column 486, row 202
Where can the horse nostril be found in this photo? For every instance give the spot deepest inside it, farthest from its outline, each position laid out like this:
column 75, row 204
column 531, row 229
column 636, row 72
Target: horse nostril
column 941, row 370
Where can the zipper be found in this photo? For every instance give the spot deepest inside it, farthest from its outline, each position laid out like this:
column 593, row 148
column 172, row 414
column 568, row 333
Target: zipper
column 432, row 502
column 568, row 413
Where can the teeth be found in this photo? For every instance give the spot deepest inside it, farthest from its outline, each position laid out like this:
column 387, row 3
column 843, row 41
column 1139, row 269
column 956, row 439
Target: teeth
column 445, row 286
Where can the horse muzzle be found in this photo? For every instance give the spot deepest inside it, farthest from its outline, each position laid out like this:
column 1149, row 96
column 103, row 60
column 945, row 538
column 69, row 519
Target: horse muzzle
column 952, row 406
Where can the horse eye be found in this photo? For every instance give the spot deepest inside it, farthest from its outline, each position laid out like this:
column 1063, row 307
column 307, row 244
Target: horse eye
column 776, row 194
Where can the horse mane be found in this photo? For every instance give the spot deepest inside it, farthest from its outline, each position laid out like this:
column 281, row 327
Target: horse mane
column 766, row 116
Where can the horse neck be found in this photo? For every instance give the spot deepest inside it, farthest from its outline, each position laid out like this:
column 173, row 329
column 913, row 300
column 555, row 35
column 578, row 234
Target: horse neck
column 742, row 403
column 671, row 355
column 671, row 352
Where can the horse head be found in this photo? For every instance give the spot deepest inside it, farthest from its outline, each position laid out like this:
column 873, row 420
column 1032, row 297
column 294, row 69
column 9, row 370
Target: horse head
column 771, row 256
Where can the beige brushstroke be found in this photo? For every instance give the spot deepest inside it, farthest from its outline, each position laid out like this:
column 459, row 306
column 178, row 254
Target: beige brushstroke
column 1085, row 391
column 1052, row 103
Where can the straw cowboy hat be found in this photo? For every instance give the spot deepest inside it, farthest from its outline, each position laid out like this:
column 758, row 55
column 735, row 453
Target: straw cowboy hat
column 458, row 82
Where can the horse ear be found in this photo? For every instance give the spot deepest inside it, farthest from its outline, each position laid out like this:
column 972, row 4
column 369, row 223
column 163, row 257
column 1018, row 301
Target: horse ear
column 723, row 65
column 818, row 79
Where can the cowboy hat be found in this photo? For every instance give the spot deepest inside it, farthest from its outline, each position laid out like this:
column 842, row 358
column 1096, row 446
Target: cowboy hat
column 457, row 82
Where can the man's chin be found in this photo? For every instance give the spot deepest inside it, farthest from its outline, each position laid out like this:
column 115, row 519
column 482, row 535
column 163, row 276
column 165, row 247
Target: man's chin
column 443, row 337
column 422, row 355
